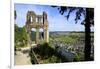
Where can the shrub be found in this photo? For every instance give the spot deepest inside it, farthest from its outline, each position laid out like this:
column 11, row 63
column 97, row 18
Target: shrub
column 77, row 58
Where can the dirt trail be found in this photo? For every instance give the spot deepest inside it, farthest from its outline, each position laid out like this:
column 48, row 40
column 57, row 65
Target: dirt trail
column 22, row 58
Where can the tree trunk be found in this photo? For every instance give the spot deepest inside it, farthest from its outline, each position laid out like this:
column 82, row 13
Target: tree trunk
column 87, row 50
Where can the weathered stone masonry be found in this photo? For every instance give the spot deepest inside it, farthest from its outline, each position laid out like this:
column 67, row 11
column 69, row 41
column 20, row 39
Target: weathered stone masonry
column 37, row 22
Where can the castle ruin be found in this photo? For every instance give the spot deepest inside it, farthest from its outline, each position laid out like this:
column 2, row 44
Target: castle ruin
column 37, row 22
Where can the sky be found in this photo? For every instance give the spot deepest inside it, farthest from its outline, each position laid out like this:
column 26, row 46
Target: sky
column 57, row 22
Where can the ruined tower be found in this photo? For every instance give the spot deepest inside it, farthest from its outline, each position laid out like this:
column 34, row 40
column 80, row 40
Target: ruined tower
column 37, row 22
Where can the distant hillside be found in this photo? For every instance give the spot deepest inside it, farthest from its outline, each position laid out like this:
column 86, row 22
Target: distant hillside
column 69, row 31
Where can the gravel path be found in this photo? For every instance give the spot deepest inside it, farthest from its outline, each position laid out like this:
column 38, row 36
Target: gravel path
column 22, row 58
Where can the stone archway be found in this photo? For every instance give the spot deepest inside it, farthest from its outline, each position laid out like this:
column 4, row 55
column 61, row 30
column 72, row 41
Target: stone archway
column 37, row 22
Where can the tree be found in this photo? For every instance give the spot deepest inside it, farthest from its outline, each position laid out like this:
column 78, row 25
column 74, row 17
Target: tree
column 24, row 36
column 21, row 37
column 87, row 22
column 15, row 14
